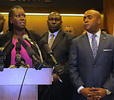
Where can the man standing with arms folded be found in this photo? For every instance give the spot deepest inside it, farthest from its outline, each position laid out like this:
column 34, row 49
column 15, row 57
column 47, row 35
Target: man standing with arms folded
column 91, row 61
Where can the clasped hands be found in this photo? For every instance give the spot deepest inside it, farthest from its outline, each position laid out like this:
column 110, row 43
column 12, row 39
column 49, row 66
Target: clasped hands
column 93, row 93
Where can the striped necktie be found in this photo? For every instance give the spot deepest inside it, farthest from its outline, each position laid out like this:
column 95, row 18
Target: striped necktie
column 51, row 40
column 94, row 45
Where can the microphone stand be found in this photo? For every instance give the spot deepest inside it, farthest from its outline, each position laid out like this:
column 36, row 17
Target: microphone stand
column 23, row 81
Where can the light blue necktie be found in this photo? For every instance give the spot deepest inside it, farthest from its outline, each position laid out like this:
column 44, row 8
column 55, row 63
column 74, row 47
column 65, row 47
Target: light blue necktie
column 94, row 45
column 51, row 40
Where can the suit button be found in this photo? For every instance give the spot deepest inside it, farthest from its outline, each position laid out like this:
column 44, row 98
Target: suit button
column 95, row 66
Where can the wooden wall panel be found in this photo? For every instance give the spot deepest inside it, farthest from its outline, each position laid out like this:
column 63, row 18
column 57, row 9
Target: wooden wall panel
column 39, row 23
column 108, row 9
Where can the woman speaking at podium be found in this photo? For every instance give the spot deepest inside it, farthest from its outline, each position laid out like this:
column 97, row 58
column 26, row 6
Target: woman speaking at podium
column 17, row 23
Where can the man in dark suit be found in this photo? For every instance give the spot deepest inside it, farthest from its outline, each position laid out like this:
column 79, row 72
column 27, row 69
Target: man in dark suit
column 60, row 48
column 91, row 61
column 2, row 22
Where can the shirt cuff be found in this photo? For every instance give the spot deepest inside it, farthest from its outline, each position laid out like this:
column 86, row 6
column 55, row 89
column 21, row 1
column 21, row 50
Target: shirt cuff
column 78, row 90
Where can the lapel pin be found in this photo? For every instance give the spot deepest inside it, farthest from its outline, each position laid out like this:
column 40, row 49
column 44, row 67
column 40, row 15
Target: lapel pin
column 104, row 38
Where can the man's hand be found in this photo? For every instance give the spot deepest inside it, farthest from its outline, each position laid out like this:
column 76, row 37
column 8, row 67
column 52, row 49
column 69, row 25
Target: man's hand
column 55, row 77
column 99, row 92
column 93, row 93
column 87, row 93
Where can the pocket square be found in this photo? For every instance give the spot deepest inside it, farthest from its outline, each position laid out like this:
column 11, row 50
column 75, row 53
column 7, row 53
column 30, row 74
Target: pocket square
column 107, row 50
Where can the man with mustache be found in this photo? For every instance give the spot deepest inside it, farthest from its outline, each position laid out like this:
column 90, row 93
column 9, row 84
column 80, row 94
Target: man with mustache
column 91, row 61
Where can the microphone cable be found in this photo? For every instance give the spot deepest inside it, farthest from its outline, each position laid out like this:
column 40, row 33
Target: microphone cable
column 22, row 83
column 38, row 50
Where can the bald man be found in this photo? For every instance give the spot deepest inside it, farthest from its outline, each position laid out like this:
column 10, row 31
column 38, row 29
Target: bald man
column 69, row 29
column 2, row 21
column 91, row 61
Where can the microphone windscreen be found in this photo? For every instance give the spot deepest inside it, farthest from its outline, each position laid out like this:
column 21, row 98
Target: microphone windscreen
column 29, row 50
column 18, row 46
column 42, row 43
column 23, row 43
column 25, row 36
column 8, row 48
column 45, row 46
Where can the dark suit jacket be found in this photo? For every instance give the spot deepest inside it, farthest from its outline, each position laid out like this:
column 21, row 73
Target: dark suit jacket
column 7, row 38
column 89, row 72
column 60, row 49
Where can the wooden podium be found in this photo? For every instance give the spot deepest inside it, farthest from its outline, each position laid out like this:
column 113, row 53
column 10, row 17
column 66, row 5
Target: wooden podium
column 11, row 80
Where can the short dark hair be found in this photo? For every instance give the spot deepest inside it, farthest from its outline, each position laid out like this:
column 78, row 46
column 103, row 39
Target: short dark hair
column 55, row 13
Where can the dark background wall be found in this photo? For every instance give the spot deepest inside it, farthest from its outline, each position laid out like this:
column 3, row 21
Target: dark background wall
column 62, row 6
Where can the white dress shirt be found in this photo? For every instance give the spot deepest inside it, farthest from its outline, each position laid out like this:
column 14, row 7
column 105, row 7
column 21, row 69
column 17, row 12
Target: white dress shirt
column 55, row 34
column 1, row 33
column 97, row 37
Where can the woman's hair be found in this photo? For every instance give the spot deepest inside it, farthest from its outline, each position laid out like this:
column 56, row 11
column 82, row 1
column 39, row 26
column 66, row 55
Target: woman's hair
column 11, row 13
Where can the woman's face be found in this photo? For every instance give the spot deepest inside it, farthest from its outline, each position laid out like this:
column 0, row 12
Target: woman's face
column 19, row 19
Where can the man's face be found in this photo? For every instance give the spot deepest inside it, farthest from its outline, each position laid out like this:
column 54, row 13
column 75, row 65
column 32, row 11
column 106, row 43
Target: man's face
column 91, row 21
column 2, row 21
column 69, row 30
column 54, row 22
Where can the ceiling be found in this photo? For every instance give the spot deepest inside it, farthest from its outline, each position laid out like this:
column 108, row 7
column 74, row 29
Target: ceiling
column 61, row 6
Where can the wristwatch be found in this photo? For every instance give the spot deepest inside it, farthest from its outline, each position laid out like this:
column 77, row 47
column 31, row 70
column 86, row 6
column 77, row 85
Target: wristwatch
column 108, row 92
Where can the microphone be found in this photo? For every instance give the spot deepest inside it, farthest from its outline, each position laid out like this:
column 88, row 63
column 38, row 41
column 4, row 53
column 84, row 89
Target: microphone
column 57, row 68
column 25, row 37
column 48, row 50
column 18, row 48
column 4, row 51
column 18, row 59
column 8, row 49
column 18, row 56
column 32, row 54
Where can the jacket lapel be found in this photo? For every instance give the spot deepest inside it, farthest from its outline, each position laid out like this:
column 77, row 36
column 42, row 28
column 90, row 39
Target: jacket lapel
column 58, row 38
column 45, row 37
column 87, row 46
column 101, row 45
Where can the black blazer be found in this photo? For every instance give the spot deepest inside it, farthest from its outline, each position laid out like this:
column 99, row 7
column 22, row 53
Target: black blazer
column 60, row 49
column 7, row 38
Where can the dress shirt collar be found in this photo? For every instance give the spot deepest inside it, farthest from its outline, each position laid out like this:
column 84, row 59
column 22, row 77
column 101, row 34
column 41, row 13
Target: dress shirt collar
column 97, row 37
column 1, row 32
column 55, row 33
column 97, row 34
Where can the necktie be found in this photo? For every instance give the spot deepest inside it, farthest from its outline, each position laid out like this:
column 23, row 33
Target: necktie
column 51, row 40
column 94, row 45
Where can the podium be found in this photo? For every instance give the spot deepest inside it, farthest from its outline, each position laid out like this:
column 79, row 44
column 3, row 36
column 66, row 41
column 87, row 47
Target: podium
column 11, row 80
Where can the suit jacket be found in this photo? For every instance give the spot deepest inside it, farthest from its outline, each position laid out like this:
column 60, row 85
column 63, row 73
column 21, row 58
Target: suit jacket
column 60, row 49
column 89, row 72
column 7, row 38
